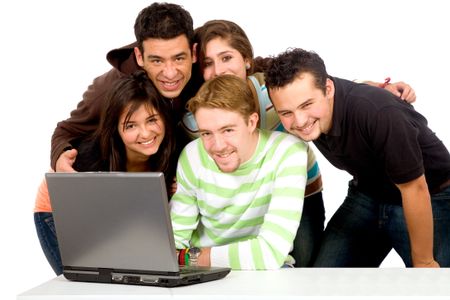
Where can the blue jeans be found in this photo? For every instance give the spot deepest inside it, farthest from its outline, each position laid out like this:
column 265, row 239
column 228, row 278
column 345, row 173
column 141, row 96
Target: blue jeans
column 309, row 234
column 45, row 228
column 363, row 231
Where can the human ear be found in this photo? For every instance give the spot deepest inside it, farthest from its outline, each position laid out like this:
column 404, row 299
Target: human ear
column 248, row 64
column 139, row 57
column 253, row 121
column 194, row 53
column 329, row 89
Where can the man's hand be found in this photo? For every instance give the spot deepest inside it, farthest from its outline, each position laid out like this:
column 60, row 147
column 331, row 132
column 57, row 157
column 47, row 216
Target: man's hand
column 173, row 186
column 430, row 264
column 204, row 259
column 402, row 90
column 66, row 160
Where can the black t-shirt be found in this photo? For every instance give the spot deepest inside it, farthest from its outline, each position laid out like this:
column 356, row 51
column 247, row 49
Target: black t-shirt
column 381, row 141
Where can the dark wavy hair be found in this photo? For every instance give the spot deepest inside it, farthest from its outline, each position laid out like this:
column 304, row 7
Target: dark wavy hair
column 227, row 30
column 284, row 68
column 163, row 21
column 130, row 93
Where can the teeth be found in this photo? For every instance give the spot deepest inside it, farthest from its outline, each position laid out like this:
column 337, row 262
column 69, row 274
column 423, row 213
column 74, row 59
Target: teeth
column 148, row 142
column 224, row 155
column 307, row 128
column 170, row 83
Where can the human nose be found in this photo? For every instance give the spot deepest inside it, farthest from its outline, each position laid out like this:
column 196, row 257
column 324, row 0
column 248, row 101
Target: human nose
column 145, row 131
column 170, row 70
column 218, row 143
column 218, row 69
column 300, row 118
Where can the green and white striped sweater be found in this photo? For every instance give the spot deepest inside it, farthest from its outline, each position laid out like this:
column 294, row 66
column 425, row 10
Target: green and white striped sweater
column 250, row 216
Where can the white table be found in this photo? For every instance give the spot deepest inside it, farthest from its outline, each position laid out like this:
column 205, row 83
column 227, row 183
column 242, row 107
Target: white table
column 281, row 284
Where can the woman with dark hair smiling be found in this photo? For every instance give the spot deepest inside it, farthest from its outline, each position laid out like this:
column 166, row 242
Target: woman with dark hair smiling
column 135, row 134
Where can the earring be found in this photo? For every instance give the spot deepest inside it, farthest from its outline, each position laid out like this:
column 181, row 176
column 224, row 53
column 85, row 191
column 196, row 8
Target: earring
column 247, row 66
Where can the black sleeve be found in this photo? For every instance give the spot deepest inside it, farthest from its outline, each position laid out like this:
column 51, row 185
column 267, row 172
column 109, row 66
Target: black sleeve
column 395, row 139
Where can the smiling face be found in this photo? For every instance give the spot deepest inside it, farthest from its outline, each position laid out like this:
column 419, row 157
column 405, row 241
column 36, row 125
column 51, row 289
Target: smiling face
column 304, row 109
column 168, row 63
column 228, row 138
column 220, row 58
column 142, row 134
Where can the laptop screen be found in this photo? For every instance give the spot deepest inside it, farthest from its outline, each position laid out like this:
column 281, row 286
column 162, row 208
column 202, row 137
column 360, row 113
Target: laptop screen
column 117, row 220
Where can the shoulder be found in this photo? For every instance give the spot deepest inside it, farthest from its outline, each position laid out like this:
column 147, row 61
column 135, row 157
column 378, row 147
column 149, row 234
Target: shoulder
column 257, row 81
column 258, row 78
column 361, row 100
column 191, row 150
column 283, row 139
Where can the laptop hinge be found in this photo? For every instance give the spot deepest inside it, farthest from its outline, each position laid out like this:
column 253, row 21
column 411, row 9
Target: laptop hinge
column 104, row 275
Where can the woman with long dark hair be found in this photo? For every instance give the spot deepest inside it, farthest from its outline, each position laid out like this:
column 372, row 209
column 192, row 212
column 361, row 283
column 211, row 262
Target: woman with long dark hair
column 135, row 134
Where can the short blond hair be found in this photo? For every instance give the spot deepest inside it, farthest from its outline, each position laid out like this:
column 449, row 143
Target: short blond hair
column 227, row 92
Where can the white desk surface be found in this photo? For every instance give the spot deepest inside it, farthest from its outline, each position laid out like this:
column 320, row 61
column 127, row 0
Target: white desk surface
column 280, row 284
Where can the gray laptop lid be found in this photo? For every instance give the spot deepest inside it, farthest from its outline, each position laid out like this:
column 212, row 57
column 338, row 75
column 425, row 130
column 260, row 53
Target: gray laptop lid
column 113, row 220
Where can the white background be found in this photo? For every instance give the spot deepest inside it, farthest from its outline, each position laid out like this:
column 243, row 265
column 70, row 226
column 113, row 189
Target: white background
column 51, row 51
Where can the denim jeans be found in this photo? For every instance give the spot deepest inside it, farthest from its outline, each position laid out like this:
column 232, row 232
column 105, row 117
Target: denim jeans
column 363, row 231
column 309, row 234
column 45, row 228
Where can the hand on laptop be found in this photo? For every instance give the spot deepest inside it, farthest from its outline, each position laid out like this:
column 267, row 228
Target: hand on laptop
column 66, row 160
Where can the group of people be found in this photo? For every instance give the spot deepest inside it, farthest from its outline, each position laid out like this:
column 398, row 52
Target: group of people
column 244, row 184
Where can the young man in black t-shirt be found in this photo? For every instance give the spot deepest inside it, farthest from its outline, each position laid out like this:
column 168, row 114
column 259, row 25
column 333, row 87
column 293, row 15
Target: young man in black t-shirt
column 400, row 169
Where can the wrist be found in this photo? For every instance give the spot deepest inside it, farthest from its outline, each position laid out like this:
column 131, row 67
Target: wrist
column 189, row 256
column 426, row 264
column 194, row 255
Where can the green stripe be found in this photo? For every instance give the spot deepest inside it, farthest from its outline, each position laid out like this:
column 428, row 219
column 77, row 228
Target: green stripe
column 183, row 198
column 293, row 170
column 185, row 165
column 225, row 192
column 274, row 147
column 286, row 214
column 219, row 239
column 233, row 209
column 257, row 255
column 278, row 230
column 239, row 224
column 295, row 192
column 233, row 256
column 205, row 160
column 182, row 235
column 183, row 220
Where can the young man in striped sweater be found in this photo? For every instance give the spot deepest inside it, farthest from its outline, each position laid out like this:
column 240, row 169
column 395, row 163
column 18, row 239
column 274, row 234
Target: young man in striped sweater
column 240, row 189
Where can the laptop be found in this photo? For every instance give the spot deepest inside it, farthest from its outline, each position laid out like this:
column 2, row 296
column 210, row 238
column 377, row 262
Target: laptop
column 114, row 227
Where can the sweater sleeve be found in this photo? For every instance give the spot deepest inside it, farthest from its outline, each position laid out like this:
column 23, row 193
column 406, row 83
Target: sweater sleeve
column 184, row 212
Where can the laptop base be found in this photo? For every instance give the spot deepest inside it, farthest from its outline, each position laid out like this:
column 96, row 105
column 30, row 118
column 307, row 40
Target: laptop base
column 191, row 277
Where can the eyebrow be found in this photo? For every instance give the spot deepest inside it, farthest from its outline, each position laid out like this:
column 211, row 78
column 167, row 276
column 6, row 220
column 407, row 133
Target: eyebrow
column 222, row 53
column 306, row 102
column 153, row 115
column 301, row 105
column 200, row 130
column 152, row 56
